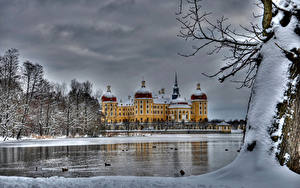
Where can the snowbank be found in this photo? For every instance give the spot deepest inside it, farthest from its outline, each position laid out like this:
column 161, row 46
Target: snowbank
column 260, row 178
column 116, row 140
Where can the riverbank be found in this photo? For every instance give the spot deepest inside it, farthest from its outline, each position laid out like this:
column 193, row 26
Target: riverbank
column 143, row 138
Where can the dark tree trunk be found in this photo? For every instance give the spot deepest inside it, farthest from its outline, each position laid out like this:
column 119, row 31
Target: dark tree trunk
column 289, row 109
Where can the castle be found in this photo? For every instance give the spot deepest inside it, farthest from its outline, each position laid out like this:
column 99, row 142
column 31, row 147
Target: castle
column 146, row 108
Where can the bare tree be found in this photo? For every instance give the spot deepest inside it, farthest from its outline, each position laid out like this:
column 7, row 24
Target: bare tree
column 10, row 93
column 220, row 35
column 266, row 53
column 32, row 75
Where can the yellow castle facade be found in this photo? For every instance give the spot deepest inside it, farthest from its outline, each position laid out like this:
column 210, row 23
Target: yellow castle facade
column 145, row 108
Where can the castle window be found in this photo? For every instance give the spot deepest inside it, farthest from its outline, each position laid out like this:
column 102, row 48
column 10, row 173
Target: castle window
column 141, row 111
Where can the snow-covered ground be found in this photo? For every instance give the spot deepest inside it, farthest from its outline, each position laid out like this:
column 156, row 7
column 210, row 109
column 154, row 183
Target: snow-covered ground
column 117, row 140
column 273, row 177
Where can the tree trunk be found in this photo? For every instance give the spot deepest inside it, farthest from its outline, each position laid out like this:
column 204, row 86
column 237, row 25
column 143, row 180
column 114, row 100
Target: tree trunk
column 289, row 153
column 267, row 18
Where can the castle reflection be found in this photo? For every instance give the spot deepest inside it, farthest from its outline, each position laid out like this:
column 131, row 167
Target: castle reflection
column 133, row 159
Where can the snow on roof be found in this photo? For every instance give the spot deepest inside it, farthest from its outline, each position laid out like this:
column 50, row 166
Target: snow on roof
column 178, row 100
column 179, row 103
column 109, row 94
column 172, row 106
column 161, row 99
column 126, row 103
column 198, row 92
column 143, row 90
column 223, row 123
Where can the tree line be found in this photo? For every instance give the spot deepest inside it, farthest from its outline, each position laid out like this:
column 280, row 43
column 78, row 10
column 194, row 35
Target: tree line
column 31, row 104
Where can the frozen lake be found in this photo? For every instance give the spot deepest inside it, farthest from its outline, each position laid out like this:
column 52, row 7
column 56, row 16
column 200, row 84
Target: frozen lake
column 158, row 155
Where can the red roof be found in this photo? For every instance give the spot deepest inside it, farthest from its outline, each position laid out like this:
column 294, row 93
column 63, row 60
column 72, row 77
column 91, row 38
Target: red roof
column 143, row 95
column 106, row 99
column 195, row 97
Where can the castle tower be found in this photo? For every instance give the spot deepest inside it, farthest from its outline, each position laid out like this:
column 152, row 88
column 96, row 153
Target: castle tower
column 143, row 104
column 199, row 105
column 109, row 105
column 175, row 94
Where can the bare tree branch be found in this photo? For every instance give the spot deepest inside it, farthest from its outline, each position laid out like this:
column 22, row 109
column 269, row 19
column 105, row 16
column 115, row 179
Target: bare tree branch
column 219, row 35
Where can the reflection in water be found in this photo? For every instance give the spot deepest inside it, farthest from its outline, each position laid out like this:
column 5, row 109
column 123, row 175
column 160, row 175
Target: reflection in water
column 131, row 159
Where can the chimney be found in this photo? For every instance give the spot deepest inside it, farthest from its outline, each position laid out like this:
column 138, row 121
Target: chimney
column 162, row 90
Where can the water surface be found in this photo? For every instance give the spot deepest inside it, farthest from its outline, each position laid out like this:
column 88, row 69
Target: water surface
column 144, row 158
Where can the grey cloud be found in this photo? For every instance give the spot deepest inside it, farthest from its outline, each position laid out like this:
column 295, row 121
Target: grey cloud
column 114, row 5
column 118, row 42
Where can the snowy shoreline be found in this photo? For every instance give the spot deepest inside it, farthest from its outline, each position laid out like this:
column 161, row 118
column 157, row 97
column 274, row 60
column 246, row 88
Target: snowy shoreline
column 115, row 140
column 263, row 178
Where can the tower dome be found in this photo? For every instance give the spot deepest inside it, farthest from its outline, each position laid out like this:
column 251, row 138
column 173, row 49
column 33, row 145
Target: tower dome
column 179, row 100
column 143, row 92
column 179, row 103
column 198, row 94
column 108, row 96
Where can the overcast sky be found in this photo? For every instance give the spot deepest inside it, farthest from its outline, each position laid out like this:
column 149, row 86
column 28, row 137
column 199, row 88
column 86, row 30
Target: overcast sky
column 118, row 42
